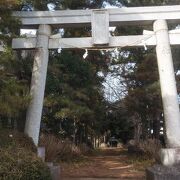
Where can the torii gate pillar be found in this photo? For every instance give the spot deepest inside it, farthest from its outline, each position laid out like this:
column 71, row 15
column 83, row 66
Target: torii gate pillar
column 168, row 92
column 33, row 117
column 168, row 84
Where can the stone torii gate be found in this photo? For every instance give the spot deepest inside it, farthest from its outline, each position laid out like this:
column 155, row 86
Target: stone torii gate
column 100, row 20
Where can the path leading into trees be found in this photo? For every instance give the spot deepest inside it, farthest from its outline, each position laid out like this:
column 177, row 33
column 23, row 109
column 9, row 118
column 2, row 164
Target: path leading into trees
column 108, row 164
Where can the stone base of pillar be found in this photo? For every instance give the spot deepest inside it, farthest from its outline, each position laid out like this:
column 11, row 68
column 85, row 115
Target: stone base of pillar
column 41, row 153
column 160, row 172
column 55, row 171
column 170, row 156
column 169, row 167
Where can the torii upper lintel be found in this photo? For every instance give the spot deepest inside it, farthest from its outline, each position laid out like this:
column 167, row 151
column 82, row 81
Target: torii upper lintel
column 119, row 16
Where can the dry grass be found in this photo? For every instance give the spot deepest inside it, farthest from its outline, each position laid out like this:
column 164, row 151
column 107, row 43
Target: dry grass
column 61, row 150
column 150, row 147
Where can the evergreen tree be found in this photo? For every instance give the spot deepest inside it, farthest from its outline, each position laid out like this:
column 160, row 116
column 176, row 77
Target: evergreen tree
column 143, row 99
column 13, row 86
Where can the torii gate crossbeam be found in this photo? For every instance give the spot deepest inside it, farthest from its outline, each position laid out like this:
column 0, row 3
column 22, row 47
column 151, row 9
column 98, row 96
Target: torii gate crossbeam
column 119, row 16
column 100, row 20
column 86, row 43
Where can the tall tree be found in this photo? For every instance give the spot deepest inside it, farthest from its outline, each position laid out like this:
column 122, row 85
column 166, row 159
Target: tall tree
column 13, row 85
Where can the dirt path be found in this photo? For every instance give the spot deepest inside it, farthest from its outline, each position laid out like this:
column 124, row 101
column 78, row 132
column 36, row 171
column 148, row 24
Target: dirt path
column 107, row 164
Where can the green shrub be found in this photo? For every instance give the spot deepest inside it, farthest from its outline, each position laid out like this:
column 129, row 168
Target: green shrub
column 18, row 159
column 10, row 138
column 21, row 164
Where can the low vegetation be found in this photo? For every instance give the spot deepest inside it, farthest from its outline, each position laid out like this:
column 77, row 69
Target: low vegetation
column 18, row 159
column 62, row 150
column 148, row 148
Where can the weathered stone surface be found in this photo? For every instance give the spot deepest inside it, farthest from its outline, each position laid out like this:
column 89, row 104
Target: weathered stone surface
column 160, row 172
column 167, row 76
column 170, row 156
column 55, row 172
column 38, row 81
column 79, row 18
column 100, row 27
column 41, row 153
